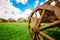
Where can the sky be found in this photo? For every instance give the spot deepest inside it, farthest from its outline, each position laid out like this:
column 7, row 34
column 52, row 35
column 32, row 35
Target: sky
column 18, row 8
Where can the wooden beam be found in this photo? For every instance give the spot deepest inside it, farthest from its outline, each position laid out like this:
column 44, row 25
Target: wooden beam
column 49, row 25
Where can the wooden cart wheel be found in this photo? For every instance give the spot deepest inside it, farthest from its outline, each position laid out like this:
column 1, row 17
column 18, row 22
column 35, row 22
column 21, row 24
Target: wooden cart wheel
column 35, row 30
column 33, row 24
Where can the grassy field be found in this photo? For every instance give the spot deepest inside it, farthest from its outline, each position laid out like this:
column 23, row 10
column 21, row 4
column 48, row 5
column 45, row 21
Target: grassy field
column 14, row 31
column 19, row 31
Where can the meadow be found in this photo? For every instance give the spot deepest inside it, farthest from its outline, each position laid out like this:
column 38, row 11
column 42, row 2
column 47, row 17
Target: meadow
column 19, row 31
column 14, row 31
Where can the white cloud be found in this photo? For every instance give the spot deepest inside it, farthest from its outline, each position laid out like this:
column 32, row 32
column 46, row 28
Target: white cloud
column 7, row 10
column 42, row 3
column 7, row 6
column 26, row 13
column 22, row 1
column 36, row 3
column 46, row 0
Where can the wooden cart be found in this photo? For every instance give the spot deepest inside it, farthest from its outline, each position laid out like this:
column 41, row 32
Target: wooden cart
column 48, row 13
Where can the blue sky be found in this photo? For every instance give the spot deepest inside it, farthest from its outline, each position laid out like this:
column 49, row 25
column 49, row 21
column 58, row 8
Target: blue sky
column 30, row 4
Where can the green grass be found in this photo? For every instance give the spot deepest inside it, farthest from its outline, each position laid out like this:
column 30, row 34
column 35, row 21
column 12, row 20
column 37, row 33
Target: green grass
column 19, row 31
column 14, row 31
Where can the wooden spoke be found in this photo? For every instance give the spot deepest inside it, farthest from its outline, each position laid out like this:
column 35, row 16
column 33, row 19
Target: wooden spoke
column 41, row 18
column 40, row 12
column 29, row 25
column 47, row 36
column 35, row 19
column 50, row 25
column 40, row 37
column 36, row 36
